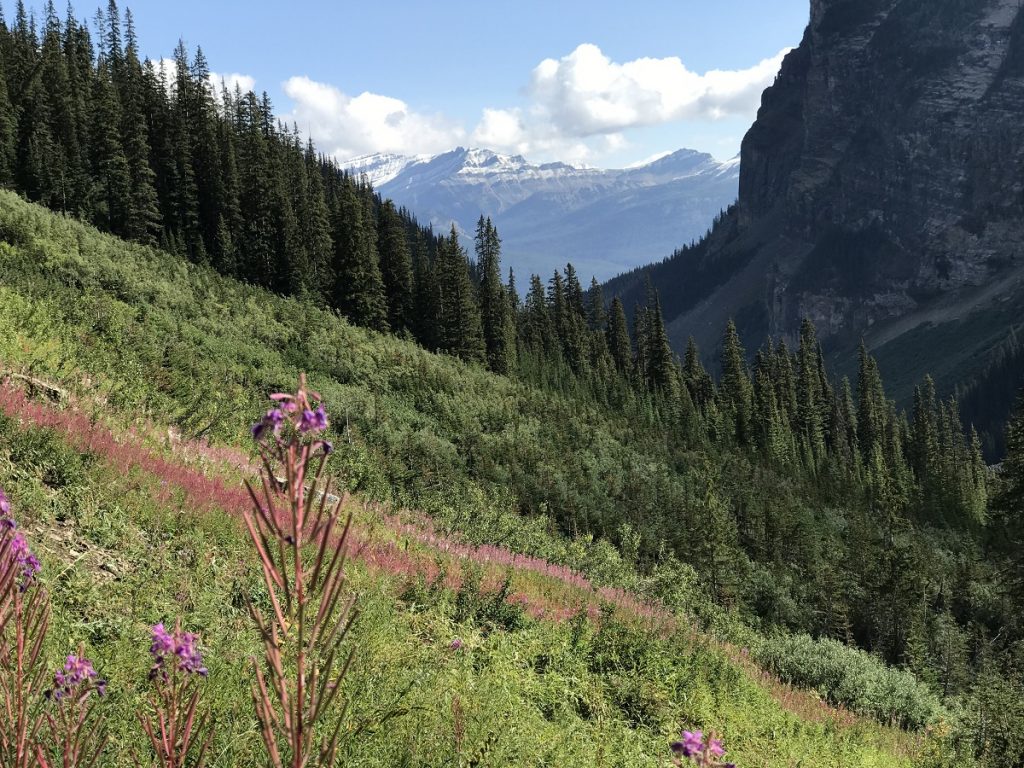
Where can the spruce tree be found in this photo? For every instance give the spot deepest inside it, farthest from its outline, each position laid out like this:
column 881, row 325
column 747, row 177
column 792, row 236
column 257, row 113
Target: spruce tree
column 359, row 288
column 618, row 339
column 736, row 391
column 395, row 267
column 809, row 397
column 461, row 331
column 495, row 311
column 426, row 326
column 696, row 377
column 143, row 222
column 110, row 164
column 536, row 326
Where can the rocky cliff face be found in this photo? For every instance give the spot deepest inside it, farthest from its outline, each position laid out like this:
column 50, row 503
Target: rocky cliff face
column 891, row 149
column 881, row 188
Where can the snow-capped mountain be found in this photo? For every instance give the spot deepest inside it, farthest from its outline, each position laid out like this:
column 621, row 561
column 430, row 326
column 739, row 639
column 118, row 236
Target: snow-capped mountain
column 603, row 221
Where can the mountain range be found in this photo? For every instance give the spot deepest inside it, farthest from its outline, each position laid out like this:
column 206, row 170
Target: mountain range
column 881, row 196
column 604, row 222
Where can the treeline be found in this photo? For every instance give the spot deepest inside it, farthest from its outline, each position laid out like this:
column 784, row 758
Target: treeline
column 157, row 155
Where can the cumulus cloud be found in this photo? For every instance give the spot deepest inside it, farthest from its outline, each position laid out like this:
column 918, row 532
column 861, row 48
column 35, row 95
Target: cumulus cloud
column 576, row 108
column 245, row 83
column 347, row 126
column 581, row 106
column 586, row 93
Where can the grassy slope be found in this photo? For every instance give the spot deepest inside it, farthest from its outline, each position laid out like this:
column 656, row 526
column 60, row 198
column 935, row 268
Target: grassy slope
column 144, row 332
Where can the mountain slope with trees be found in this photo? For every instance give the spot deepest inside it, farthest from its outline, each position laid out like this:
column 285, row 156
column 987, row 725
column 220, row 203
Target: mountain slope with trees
column 879, row 196
column 775, row 498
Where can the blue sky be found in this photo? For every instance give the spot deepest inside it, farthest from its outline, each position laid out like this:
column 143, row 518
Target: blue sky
column 597, row 82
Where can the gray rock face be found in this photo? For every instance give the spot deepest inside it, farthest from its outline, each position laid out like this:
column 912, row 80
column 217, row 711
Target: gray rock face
column 881, row 187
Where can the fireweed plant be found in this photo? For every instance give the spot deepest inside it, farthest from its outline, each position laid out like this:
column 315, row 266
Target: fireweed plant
column 74, row 734
column 179, row 731
column 24, row 620
column 296, row 532
column 692, row 749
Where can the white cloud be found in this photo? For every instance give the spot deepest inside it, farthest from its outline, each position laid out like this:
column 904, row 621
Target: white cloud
column 245, row 83
column 346, row 126
column 578, row 108
column 586, row 93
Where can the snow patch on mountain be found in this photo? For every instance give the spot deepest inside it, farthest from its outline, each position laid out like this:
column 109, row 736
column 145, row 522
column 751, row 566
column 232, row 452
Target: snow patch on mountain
column 603, row 221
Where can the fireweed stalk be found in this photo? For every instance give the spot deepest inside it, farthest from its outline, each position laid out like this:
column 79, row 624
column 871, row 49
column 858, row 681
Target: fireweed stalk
column 179, row 731
column 301, row 547
column 24, row 620
column 75, row 732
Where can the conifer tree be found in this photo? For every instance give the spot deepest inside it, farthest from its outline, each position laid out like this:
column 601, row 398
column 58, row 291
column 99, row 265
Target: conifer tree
column 662, row 370
column 735, row 392
column 143, row 220
column 536, row 322
column 110, row 164
column 427, row 296
column 461, row 331
column 359, row 288
column 618, row 339
column 495, row 311
column 810, row 398
column 186, row 216
column 696, row 377
column 395, row 267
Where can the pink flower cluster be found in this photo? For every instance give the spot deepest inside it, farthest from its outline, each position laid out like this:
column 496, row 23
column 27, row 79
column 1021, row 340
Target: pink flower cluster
column 692, row 747
column 177, row 649
column 297, row 410
column 75, row 679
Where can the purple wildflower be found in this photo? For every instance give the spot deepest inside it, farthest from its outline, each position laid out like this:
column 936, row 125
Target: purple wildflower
column 77, row 672
column 186, row 648
column 313, row 421
column 456, row 644
column 183, row 646
column 25, row 559
column 272, row 420
column 6, row 521
column 163, row 643
column 715, row 747
column 692, row 743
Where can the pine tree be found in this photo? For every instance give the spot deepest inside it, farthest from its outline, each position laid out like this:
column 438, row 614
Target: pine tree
column 461, row 331
column 618, row 339
column 698, row 381
column 536, row 330
column 498, row 325
column 359, row 288
column 143, row 221
column 736, row 392
column 810, row 398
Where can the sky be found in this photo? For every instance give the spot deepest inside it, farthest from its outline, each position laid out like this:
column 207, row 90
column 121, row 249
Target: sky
column 592, row 82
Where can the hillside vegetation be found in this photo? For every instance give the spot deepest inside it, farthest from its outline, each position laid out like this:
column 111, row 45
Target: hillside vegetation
column 151, row 336
column 135, row 524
